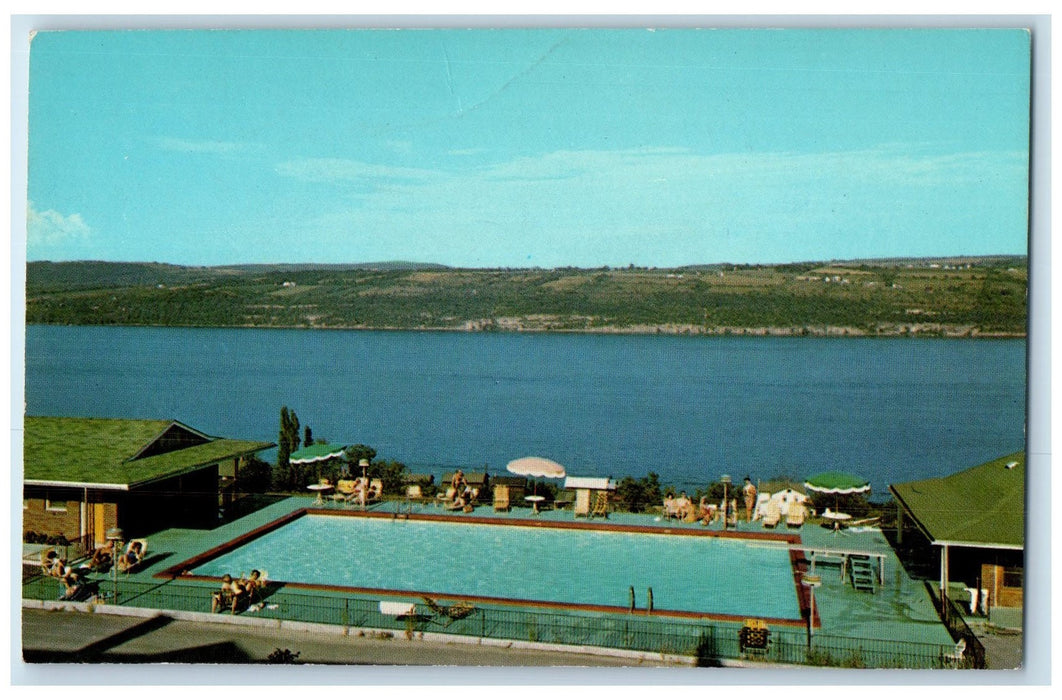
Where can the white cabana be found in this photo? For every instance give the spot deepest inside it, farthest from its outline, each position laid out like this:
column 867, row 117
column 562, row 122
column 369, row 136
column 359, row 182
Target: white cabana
column 787, row 497
column 592, row 483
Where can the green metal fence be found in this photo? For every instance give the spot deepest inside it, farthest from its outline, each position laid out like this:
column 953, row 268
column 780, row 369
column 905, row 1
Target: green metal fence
column 711, row 643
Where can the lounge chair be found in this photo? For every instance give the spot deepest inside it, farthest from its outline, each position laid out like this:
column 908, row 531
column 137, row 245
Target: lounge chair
column 773, row 515
column 398, row 609
column 582, row 503
column 414, row 493
column 600, row 505
column 797, row 513
column 131, row 560
column 501, row 498
column 671, row 509
column 375, row 492
column 762, row 500
column 345, row 490
column 447, row 496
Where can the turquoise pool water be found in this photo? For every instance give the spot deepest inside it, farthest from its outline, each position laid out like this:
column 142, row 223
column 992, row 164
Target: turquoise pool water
column 696, row 574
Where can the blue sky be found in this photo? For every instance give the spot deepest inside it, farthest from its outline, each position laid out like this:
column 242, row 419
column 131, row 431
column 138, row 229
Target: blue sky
column 522, row 148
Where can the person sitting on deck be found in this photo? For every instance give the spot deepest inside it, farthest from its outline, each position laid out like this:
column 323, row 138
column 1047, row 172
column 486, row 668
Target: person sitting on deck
column 460, row 501
column 73, row 582
column 102, row 557
column 458, row 484
column 58, row 568
column 132, row 556
column 48, row 559
column 252, row 584
column 707, row 511
column 669, row 505
column 683, row 506
column 224, row 597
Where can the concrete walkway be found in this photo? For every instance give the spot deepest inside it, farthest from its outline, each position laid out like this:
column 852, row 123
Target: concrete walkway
column 64, row 637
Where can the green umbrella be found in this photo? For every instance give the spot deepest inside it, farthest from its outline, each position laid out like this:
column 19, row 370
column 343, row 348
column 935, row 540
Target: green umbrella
column 837, row 483
column 317, row 453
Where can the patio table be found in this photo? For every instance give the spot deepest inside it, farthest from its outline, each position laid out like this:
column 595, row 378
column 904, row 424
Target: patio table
column 320, row 489
column 837, row 519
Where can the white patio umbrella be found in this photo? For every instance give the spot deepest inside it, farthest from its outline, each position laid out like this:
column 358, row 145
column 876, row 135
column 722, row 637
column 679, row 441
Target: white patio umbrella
column 538, row 467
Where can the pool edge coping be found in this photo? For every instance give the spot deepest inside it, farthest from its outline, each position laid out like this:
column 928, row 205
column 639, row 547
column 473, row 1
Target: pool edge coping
column 182, row 570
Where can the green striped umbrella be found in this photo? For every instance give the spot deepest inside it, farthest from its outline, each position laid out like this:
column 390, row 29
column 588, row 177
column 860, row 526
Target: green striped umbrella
column 837, row 483
column 317, row 453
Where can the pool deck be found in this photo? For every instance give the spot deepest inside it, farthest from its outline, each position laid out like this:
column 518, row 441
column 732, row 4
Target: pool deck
column 900, row 608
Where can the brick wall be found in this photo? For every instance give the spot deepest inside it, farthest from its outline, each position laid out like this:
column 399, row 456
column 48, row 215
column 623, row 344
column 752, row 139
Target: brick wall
column 52, row 517
column 996, row 579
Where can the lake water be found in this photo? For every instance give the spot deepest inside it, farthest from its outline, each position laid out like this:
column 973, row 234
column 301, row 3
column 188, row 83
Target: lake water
column 688, row 408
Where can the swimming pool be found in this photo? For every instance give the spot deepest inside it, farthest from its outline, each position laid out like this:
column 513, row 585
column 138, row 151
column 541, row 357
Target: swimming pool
column 709, row 576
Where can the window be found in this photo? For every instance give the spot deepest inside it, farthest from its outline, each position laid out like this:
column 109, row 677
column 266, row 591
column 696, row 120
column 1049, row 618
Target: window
column 55, row 506
column 1012, row 578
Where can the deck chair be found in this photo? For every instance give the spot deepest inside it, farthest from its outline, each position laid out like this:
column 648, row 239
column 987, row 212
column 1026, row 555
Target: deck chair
column 344, row 490
column 600, row 505
column 671, row 509
column 582, row 503
column 398, row 609
column 444, row 497
column 414, row 493
column 375, row 492
column 762, row 500
column 773, row 515
column 501, row 498
column 797, row 513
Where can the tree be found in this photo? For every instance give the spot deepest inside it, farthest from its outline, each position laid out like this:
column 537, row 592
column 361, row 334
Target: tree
column 390, row 474
column 356, row 453
column 308, row 439
column 254, row 475
column 282, row 474
column 287, row 476
column 638, row 493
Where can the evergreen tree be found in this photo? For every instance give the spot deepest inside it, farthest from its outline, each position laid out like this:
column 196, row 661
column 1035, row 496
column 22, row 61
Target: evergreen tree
column 308, row 439
column 282, row 475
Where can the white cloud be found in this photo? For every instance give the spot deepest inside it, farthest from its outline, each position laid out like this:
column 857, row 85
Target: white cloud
column 702, row 206
column 49, row 228
column 343, row 170
column 215, row 147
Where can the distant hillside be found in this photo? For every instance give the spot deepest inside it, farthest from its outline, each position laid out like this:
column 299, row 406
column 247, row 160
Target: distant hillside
column 97, row 274
column 947, row 297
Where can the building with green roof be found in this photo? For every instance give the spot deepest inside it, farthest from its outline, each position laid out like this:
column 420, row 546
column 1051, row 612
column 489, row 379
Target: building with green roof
column 980, row 514
column 83, row 476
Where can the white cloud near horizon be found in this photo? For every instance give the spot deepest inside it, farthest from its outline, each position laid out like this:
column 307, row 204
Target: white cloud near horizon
column 50, row 228
column 187, row 146
column 581, row 203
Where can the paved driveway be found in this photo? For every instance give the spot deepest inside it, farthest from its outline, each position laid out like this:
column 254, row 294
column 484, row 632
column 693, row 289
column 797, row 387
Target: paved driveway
column 63, row 637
